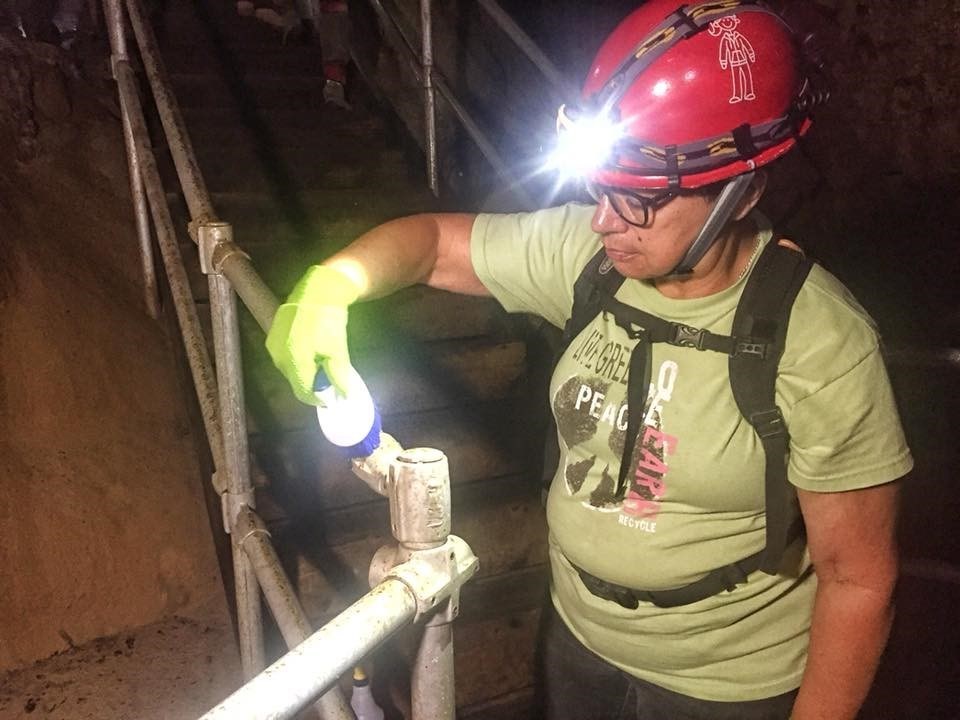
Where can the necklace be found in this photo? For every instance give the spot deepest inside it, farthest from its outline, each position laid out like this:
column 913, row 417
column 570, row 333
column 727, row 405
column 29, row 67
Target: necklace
column 753, row 256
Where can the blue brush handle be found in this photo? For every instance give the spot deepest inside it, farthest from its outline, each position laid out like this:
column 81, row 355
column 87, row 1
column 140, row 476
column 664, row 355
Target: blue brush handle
column 371, row 440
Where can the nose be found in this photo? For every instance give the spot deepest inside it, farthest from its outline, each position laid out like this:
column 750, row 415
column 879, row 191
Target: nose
column 606, row 219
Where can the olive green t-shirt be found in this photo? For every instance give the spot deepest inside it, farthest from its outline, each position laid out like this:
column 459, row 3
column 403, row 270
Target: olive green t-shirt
column 695, row 499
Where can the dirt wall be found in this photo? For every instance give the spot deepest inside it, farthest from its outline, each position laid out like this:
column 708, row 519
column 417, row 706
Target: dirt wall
column 102, row 519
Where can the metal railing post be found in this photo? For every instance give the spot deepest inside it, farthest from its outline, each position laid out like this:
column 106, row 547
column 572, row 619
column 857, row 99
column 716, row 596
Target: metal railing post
column 238, row 491
column 420, row 516
column 396, row 37
column 429, row 98
column 417, row 482
column 118, row 45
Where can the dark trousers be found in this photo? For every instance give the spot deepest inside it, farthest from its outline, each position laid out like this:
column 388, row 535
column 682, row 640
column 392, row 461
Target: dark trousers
column 575, row 684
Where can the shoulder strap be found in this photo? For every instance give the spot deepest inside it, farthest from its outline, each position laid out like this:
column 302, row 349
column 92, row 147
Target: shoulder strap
column 760, row 328
column 599, row 278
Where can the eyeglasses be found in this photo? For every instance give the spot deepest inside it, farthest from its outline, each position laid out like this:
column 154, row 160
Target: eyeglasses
column 635, row 209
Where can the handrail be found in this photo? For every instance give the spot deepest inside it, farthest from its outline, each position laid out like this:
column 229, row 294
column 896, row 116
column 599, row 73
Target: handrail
column 425, row 586
column 429, row 97
column 400, row 40
column 236, row 266
column 422, row 67
column 300, row 675
column 221, row 399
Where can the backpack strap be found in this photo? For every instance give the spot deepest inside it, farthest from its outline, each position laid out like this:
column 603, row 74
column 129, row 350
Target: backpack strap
column 598, row 279
column 755, row 347
column 760, row 329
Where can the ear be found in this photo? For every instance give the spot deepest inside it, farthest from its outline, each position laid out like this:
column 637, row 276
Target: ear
column 752, row 196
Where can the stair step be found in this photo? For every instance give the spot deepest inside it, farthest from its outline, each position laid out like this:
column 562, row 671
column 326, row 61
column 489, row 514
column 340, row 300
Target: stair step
column 261, row 57
column 217, row 158
column 279, row 121
column 413, row 315
column 402, row 379
column 284, row 239
column 483, row 513
column 223, row 130
column 345, row 525
column 272, row 176
column 329, row 205
column 263, row 91
column 188, row 22
column 480, row 441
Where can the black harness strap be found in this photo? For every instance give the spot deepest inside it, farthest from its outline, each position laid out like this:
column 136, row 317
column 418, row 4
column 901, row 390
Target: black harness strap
column 597, row 280
column 761, row 324
column 755, row 348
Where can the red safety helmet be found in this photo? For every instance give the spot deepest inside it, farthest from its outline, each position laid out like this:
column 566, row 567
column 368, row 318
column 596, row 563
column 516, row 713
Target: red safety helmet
column 701, row 93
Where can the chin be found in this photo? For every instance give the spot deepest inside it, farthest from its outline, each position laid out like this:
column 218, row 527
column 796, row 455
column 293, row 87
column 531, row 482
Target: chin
column 634, row 267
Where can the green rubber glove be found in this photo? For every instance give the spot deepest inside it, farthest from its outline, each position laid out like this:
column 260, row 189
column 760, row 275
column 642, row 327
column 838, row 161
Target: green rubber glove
column 311, row 328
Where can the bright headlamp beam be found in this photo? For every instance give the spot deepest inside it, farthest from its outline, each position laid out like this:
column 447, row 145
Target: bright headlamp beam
column 584, row 144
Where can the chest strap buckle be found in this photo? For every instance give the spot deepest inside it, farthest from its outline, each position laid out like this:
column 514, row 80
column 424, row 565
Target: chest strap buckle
column 687, row 336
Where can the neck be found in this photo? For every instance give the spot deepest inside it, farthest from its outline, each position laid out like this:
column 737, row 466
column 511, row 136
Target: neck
column 721, row 266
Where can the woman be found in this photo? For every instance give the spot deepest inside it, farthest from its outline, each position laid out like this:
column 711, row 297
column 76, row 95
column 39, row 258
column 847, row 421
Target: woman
column 660, row 487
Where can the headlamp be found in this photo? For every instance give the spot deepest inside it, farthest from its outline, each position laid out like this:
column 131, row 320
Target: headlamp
column 585, row 142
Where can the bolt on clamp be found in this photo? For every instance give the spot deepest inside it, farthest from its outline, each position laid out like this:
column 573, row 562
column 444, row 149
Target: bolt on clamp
column 215, row 244
column 230, row 505
column 436, row 574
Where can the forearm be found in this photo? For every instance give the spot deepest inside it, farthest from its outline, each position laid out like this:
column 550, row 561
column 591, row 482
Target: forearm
column 430, row 248
column 850, row 627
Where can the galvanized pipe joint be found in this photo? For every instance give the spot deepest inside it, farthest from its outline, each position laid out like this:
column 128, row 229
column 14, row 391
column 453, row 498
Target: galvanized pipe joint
column 429, row 560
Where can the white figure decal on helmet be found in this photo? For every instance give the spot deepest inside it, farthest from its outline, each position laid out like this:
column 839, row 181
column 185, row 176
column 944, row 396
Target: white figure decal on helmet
column 736, row 53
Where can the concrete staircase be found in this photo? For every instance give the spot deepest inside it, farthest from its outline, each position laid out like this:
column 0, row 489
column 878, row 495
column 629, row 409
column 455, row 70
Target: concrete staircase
column 298, row 179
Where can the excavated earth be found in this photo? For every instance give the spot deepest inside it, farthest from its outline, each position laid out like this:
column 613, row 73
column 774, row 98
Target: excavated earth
column 100, row 492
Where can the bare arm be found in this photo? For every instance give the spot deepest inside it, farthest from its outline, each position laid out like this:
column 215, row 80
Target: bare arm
column 432, row 249
column 852, row 541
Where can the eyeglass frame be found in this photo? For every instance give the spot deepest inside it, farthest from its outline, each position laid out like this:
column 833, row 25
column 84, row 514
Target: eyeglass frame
column 649, row 205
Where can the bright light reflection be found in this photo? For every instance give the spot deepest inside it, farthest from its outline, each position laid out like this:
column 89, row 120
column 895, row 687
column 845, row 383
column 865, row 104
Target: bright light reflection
column 583, row 146
column 661, row 88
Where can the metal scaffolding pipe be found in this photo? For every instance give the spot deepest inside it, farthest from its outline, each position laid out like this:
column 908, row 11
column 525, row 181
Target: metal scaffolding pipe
column 429, row 98
column 277, row 589
column 316, row 664
column 118, row 46
column 236, row 468
column 253, row 291
column 282, row 600
column 487, row 149
column 196, row 349
column 480, row 139
column 432, row 687
column 191, row 180
column 529, row 48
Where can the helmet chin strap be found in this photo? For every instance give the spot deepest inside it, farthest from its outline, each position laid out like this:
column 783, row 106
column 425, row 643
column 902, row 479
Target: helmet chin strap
column 723, row 208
